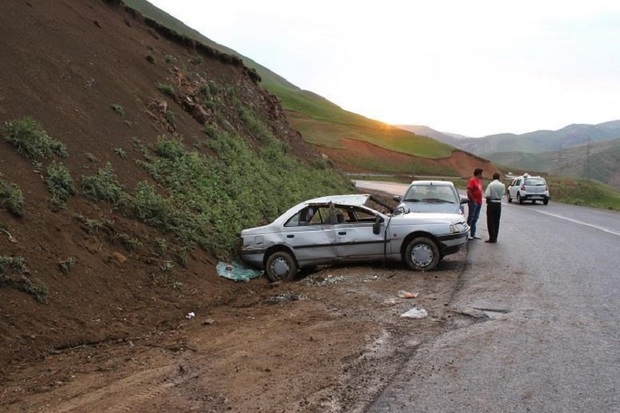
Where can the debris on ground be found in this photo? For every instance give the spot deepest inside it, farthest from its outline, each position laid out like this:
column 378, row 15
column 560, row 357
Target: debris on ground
column 237, row 271
column 285, row 298
column 407, row 294
column 323, row 280
column 11, row 238
column 415, row 313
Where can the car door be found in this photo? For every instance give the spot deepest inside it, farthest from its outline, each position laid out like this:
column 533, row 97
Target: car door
column 355, row 239
column 310, row 235
column 514, row 187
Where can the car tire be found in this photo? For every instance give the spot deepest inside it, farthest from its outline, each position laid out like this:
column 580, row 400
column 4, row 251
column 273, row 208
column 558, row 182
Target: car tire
column 509, row 198
column 422, row 254
column 545, row 201
column 281, row 266
column 519, row 199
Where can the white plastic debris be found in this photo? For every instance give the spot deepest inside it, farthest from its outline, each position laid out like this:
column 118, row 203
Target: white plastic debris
column 415, row 313
column 190, row 315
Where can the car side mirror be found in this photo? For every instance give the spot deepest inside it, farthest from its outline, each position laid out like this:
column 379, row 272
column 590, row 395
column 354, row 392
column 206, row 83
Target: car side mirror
column 397, row 198
column 464, row 200
column 376, row 227
column 401, row 209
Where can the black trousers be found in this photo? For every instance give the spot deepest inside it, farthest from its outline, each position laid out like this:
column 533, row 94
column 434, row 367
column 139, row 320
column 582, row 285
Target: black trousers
column 494, row 212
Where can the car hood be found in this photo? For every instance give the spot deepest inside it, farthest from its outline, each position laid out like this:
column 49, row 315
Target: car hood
column 427, row 218
column 445, row 208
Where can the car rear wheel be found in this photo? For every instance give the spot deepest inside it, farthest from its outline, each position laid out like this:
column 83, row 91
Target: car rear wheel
column 281, row 265
column 545, row 201
column 519, row 199
column 422, row 254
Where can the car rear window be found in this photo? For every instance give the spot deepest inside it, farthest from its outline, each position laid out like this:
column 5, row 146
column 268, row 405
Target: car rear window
column 535, row 181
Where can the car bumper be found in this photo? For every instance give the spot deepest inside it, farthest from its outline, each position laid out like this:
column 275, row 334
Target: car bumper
column 541, row 197
column 254, row 258
column 452, row 243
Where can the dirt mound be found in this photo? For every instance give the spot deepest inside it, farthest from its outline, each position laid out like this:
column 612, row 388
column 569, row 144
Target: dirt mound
column 91, row 74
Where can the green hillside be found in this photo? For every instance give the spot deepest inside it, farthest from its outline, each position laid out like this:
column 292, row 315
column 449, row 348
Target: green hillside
column 598, row 161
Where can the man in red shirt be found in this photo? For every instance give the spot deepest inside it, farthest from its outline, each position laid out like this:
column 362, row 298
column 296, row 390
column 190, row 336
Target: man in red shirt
column 475, row 192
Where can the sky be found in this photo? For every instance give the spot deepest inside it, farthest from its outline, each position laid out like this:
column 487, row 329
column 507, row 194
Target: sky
column 474, row 68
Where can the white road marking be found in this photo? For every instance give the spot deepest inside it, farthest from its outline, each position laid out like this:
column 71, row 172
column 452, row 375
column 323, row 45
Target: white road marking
column 580, row 223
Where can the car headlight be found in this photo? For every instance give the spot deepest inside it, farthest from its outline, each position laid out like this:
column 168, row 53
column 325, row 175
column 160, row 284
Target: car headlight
column 251, row 241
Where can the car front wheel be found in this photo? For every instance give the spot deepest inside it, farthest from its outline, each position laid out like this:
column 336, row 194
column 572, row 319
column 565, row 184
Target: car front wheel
column 422, row 254
column 281, row 265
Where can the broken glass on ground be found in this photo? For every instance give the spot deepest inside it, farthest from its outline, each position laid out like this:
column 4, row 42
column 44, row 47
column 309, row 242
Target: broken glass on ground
column 237, row 271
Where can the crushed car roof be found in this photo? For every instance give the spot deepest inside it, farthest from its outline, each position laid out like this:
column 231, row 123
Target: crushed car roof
column 432, row 182
column 350, row 199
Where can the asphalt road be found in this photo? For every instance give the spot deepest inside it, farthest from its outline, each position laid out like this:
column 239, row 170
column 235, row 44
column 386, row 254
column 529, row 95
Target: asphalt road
column 537, row 321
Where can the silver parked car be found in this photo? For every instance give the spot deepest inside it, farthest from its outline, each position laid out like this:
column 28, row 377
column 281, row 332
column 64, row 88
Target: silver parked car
column 432, row 196
column 345, row 228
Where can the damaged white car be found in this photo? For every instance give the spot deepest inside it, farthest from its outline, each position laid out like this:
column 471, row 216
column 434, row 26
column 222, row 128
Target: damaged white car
column 343, row 228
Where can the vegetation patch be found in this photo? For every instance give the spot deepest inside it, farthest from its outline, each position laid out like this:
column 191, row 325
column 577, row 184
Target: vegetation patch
column 165, row 88
column 11, row 198
column 59, row 183
column 103, row 186
column 584, row 192
column 120, row 152
column 13, row 272
column 210, row 200
column 94, row 226
column 170, row 118
column 128, row 242
column 66, row 265
column 31, row 141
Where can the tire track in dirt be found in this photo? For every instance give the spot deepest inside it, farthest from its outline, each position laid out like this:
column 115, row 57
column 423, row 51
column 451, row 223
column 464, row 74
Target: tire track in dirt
column 114, row 397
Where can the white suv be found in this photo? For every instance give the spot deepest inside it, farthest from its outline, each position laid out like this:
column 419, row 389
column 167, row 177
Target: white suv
column 528, row 188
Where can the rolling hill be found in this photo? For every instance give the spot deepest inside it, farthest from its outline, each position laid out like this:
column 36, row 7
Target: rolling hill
column 578, row 151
